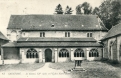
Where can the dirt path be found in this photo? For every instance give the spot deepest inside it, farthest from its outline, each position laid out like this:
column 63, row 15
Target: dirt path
column 46, row 72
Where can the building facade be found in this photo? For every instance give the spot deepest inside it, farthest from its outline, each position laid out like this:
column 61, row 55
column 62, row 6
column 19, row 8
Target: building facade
column 3, row 40
column 53, row 38
column 112, row 44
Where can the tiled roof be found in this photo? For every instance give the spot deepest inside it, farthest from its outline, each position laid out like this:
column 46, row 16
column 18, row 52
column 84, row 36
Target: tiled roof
column 115, row 30
column 2, row 36
column 60, row 22
column 53, row 44
column 10, row 44
column 57, row 39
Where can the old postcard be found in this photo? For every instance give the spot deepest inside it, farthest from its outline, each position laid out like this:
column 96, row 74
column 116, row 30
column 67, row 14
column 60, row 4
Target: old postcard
column 60, row 38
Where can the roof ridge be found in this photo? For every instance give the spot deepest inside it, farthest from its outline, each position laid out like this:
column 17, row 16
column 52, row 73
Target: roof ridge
column 73, row 22
column 2, row 36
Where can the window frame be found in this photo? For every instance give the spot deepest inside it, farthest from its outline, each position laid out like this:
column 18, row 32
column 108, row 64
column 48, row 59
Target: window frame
column 42, row 34
column 64, row 53
column 32, row 53
column 93, row 53
column 79, row 53
column 67, row 34
column 89, row 34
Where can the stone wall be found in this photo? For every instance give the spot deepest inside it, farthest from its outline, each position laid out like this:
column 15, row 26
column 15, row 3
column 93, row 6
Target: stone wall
column 18, row 55
column 110, row 52
column 2, row 42
column 114, row 51
column 55, row 54
column 11, row 53
column 105, row 49
column 118, row 48
column 14, row 34
column 10, row 56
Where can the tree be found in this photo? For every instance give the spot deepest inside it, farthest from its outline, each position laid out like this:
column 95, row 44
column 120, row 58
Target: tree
column 68, row 10
column 78, row 9
column 84, row 8
column 110, row 11
column 87, row 8
column 96, row 11
column 58, row 9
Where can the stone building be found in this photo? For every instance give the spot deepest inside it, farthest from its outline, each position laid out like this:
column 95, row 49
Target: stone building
column 3, row 40
column 112, row 44
column 53, row 38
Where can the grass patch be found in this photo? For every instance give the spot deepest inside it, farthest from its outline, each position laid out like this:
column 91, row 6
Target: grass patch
column 94, row 69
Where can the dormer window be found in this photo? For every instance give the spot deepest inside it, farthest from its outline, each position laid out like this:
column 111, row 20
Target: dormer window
column 52, row 25
column 89, row 34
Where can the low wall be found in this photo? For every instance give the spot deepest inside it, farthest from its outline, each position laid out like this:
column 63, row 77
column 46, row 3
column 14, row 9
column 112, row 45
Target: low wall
column 31, row 60
column 11, row 61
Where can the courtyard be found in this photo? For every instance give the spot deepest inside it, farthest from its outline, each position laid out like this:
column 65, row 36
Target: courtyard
column 94, row 69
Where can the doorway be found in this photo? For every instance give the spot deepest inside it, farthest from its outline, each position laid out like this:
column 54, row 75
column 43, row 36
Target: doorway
column 48, row 55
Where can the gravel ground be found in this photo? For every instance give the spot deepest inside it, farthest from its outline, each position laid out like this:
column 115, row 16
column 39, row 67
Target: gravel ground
column 21, row 67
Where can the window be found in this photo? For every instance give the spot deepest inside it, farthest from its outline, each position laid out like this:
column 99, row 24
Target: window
column 67, row 34
column 64, row 53
column 32, row 53
column 42, row 34
column 110, row 47
column 93, row 53
column 89, row 34
column 120, row 51
column 79, row 53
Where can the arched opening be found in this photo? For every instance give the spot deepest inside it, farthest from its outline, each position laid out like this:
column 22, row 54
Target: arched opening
column 48, row 55
column 79, row 53
column 93, row 53
column 120, row 52
column 110, row 49
column 63, row 53
column 31, row 53
column 13, row 35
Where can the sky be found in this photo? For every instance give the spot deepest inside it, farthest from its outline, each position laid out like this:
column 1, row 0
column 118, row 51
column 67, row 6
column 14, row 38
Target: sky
column 24, row 7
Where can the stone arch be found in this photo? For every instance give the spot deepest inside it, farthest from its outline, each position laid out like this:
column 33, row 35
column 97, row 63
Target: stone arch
column 31, row 53
column 93, row 53
column 48, row 55
column 63, row 53
column 79, row 53
column 13, row 35
column 110, row 48
column 119, row 51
